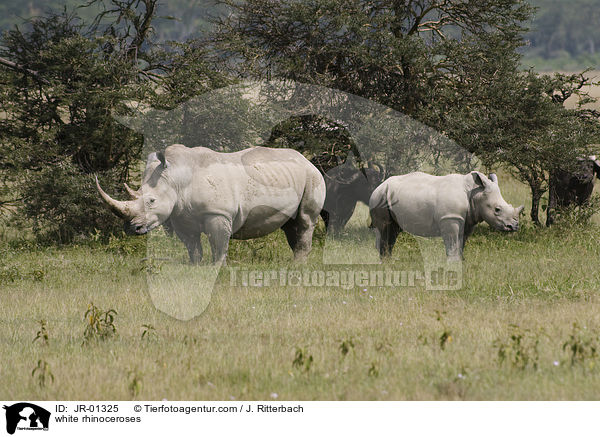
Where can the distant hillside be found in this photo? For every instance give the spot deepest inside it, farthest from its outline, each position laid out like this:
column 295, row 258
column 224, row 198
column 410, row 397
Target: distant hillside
column 181, row 20
column 564, row 35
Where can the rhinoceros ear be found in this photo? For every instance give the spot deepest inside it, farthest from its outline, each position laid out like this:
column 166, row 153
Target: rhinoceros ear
column 162, row 159
column 481, row 180
column 493, row 178
column 151, row 158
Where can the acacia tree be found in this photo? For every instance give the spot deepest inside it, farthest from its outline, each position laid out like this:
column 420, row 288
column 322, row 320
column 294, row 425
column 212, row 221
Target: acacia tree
column 452, row 64
column 64, row 80
column 394, row 52
column 518, row 120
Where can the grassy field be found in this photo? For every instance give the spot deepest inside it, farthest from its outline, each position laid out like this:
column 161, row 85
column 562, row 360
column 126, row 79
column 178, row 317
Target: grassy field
column 525, row 325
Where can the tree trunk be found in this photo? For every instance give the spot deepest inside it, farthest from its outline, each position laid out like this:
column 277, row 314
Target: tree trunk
column 551, row 210
column 23, row 69
column 536, row 195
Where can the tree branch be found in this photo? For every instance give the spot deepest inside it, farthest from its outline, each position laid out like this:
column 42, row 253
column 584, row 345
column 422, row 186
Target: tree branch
column 25, row 70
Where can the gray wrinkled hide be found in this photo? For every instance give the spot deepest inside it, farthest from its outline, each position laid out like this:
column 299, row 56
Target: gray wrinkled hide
column 439, row 206
column 239, row 195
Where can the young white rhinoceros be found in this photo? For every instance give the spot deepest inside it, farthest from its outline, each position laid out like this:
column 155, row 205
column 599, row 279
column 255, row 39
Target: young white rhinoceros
column 439, row 206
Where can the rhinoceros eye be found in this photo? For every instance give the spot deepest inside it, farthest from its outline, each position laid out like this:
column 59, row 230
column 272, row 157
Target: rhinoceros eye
column 497, row 210
column 151, row 201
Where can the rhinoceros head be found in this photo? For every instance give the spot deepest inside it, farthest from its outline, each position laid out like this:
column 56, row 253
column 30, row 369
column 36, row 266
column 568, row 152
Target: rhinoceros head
column 152, row 204
column 491, row 206
column 348, row 183
column 585, row 170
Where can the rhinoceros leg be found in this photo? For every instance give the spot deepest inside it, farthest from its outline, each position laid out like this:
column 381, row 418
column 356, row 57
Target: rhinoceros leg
column 452, row 230
column 467, row 231
column 192, row 243
column 218, row 229
column 386, row 240
column 339, row 217
column 299, row 232
column 194, row 248
column 387, row 229
column 346, row 214
column 289, row 228
column 325, row 217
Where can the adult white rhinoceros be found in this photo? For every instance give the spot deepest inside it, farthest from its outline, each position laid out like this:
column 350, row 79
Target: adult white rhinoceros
column 433, row 206
column 241, row 195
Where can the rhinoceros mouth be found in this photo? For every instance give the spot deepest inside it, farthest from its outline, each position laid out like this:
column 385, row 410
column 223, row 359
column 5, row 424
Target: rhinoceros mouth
column 133, row 229
column 509, row 228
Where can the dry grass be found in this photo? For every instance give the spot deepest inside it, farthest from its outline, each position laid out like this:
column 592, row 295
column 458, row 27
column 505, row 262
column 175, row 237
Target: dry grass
column 245, row 343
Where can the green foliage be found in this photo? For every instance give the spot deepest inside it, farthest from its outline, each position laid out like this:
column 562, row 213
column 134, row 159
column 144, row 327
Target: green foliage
column 42, row 335
column 517, row 120
column 9, row 274
column 346, row 346
column 445, row 337
column 373, row 371
column 520, row 350
column 582, row 346
column 458, row 72
column 574, row 215
column 13, row 273
column 385, row 51
column 177, row 19
column 149, row 332
column 99, row 324
column 125, row 245
column 59, row 126
column 325, row 142
column 149, row 266
column 302, row 360
column 562, row 35
column 42, row 374
column 72, row 78
column 135, row 383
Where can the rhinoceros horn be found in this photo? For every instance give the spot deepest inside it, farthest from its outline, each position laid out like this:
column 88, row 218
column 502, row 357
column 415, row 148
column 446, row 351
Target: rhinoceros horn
column 119, row 208
column 134, row 194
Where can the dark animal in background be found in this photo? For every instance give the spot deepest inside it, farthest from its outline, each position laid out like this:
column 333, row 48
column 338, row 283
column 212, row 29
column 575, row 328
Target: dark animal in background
column 572, row 187
column 345, row 186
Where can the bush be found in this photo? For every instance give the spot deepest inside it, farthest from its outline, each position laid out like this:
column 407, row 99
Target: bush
column 60, row 100
column 62, row 203
column 574, row 215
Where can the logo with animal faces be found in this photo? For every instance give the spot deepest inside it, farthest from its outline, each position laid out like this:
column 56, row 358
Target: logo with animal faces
column 241, row 116
column 24, row 416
